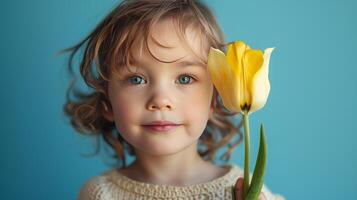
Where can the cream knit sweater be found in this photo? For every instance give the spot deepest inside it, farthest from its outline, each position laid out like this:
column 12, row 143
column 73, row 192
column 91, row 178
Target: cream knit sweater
column 113, row 185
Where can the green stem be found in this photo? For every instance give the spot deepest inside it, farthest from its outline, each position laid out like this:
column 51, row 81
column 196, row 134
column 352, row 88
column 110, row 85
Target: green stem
column 246, row 154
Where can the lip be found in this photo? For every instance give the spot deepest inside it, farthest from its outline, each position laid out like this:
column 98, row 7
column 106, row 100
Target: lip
column 161, row 123
column 161, row 126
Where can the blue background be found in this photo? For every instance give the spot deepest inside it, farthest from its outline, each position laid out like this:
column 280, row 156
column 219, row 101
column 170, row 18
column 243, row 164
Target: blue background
column 309, row 117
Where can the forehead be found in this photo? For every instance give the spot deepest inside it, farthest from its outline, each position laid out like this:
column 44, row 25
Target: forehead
column 165, row 43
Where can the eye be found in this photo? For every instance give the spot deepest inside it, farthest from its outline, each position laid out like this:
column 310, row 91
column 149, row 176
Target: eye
column 185, row 79
column 136, row 80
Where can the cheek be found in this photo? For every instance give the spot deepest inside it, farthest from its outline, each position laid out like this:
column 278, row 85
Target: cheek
column 197, row 107
column 125, row 112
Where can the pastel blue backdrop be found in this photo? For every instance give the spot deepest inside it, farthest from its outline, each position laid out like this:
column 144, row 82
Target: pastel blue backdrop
column 309, row 117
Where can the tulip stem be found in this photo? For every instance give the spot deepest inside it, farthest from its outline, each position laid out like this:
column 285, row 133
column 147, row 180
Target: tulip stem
column 246, row 154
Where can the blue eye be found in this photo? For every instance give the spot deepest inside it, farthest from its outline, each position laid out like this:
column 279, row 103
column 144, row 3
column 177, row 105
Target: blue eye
column 185, row 79
column 136, row 80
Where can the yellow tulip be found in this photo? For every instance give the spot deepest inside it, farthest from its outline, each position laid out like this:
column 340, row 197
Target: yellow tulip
column 241, row 79
column 241, row 76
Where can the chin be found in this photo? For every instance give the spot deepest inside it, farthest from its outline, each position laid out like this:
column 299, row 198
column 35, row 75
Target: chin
column 162, row 150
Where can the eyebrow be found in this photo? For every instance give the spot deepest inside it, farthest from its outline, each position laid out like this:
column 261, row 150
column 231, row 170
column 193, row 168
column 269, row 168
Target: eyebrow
column 186, row 63
column 183, row 63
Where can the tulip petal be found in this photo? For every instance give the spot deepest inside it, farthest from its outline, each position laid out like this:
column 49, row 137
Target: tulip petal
column 235, row 57
column 260, row 85
column 252, row 62
column 235, row 52
column 223, row 79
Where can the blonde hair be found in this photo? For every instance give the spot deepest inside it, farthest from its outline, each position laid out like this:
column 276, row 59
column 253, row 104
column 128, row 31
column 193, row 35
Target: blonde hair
column 108, row 46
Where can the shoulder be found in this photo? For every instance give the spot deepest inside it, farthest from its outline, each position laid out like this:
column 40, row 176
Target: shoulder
column 268, row 193
column 91, row 189
column 95, row 188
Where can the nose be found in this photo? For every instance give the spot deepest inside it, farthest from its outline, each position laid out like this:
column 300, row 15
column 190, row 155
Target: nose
column 160, row 101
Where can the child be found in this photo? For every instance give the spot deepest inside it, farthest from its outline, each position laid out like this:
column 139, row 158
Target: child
column 136, row 60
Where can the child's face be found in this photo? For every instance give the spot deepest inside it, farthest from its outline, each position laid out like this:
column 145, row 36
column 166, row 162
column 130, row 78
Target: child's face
column 162, row 91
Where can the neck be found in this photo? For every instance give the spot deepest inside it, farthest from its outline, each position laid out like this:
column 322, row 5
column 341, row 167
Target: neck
column 182, row 168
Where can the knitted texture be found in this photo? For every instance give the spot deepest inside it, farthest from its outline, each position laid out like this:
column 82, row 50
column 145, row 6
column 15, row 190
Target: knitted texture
column 112, row 185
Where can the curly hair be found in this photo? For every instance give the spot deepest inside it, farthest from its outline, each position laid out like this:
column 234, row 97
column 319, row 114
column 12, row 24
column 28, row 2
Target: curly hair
column 108, row 46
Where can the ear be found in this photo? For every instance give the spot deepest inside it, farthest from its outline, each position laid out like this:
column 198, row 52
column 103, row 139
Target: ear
column 212, row 101
column 107, row 112
column 108, row 115
column 211, row 111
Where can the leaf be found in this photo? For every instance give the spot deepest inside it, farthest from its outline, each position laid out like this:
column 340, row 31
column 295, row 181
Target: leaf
column 259, row 170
